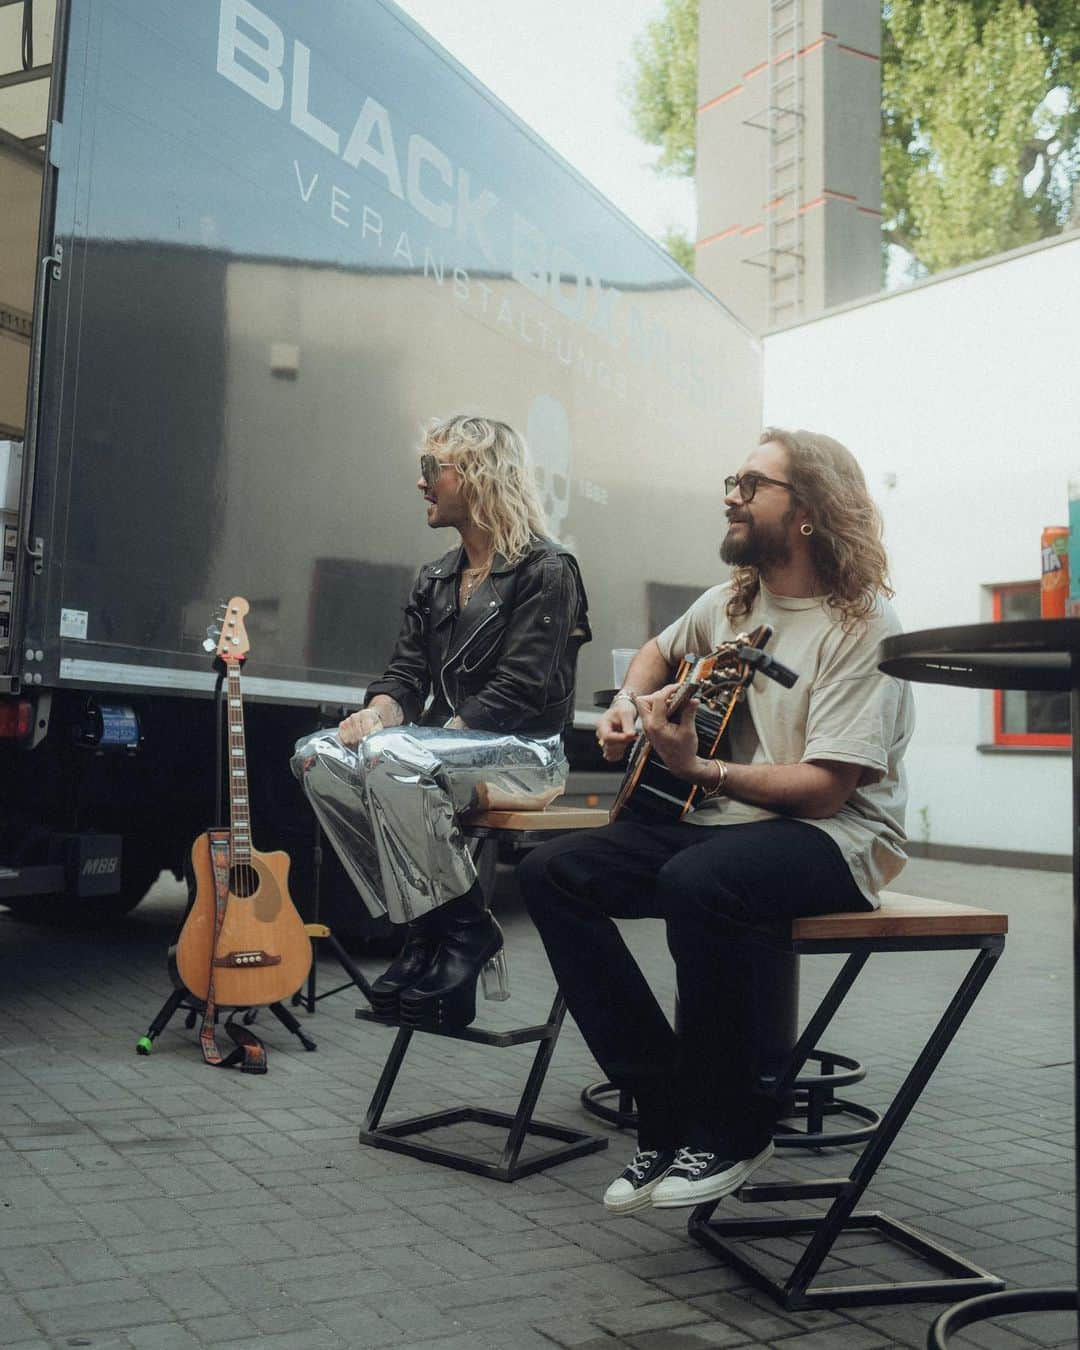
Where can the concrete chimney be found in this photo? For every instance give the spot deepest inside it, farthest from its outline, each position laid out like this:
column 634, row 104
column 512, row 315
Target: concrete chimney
column 788, row 155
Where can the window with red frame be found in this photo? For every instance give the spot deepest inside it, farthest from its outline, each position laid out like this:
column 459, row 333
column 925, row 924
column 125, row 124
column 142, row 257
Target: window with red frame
column 1025, row 717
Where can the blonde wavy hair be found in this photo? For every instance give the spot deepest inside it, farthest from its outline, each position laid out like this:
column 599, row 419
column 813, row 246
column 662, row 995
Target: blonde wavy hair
column 846, row 546
column 499, row 486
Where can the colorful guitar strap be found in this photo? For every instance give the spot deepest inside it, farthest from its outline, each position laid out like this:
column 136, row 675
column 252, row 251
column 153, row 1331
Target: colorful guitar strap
column 250, row 1053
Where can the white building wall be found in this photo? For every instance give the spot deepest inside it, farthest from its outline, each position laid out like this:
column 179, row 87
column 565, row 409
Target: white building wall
column 961, row 399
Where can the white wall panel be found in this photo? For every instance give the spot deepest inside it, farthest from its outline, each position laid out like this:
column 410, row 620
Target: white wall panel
column 961, row 399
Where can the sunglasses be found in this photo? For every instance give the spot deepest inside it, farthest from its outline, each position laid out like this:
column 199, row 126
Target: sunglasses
column 749, row 482
column 431, row 467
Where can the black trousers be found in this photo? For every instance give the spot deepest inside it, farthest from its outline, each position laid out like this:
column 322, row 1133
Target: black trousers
column 723, row 891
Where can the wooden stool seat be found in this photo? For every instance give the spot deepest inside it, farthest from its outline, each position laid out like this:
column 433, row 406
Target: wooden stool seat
column 902, row 916
column 556, row 819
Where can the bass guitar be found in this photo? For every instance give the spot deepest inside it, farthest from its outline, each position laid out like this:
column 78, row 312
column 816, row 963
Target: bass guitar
column 243, row 944
column 649, row 790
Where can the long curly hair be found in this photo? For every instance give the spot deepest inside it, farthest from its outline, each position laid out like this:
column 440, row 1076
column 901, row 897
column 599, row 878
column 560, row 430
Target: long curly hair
column 497, row 474
column 846, row 546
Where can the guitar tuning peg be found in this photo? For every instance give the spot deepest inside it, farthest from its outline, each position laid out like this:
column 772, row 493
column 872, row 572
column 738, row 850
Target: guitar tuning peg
column 209, row 645
column 213, row 632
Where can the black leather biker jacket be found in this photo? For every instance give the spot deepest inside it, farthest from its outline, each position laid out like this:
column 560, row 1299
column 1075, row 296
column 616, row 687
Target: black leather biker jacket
column 505, row 662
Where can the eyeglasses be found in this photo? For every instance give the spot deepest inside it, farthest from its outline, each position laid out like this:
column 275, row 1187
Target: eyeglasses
column 749, row 482
column 431, row 467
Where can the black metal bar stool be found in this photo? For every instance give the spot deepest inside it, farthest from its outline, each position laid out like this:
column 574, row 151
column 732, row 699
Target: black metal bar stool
column 902, row 924
column 486, row 829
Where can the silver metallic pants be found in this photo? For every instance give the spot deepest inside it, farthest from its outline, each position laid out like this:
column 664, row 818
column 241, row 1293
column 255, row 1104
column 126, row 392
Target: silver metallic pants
column 389, row 806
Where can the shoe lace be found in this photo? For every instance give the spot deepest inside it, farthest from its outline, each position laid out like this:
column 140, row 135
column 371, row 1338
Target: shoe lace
column 691, row 1162
column 642, row 1161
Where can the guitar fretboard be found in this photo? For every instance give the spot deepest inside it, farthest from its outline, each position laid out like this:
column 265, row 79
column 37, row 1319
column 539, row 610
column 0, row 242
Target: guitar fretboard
column 239, row 812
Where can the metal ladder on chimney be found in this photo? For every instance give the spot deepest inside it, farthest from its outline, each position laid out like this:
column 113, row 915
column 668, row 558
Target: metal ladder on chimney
column 783, row 120
column 784, row 222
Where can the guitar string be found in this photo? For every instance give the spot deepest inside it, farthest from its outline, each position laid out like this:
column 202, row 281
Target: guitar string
column 244, row 872
column 249, row 874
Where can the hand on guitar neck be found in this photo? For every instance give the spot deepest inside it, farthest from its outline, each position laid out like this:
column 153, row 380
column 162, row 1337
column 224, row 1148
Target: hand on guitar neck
column 617, row 729
column 682, row 724
column 667, row 723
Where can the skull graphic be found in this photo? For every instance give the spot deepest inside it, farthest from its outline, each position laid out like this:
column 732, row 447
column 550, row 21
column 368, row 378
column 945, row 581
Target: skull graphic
column 550, row 445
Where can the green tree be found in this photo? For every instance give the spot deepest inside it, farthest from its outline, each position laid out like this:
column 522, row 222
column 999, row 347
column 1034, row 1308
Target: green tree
column 662, row 90
column 679, row 246
column 980, row 124
column 662, row 96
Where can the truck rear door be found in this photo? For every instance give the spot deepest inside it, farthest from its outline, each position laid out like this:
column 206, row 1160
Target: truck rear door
column 26, row 64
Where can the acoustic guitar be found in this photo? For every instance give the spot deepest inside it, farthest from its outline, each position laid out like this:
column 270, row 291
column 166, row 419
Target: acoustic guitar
column 649, row 790
column 243, row 944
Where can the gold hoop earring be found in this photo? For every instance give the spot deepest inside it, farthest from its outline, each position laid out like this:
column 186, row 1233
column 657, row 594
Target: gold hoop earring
column 806, row 529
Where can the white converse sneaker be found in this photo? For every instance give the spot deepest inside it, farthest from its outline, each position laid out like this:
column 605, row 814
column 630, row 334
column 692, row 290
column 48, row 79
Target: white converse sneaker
column 633, row 1189
column 697, row 1176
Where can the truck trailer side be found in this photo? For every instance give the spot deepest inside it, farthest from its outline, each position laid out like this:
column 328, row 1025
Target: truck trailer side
column 253, row 246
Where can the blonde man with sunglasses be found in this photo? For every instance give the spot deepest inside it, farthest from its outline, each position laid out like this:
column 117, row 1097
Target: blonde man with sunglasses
column 469, row 713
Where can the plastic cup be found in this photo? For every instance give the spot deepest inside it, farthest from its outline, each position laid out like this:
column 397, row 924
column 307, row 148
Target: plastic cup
column 620, row 664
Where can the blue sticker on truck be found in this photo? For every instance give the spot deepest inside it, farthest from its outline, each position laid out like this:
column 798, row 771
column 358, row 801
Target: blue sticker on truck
column 119, row 725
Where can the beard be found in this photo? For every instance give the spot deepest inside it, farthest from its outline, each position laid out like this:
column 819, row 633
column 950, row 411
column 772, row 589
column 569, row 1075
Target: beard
column 760, row 546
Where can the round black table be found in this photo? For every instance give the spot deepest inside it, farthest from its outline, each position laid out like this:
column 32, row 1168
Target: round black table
column 1029, row 654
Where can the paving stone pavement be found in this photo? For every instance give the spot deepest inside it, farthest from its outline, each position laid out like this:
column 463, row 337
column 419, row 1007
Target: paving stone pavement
column 158, row 1204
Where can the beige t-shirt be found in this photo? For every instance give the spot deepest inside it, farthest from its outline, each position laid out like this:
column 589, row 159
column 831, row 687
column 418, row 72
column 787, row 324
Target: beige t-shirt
column 841, row 708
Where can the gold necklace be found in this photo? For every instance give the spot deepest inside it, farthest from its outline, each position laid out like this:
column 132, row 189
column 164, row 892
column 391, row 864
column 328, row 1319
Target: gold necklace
column 471, row 578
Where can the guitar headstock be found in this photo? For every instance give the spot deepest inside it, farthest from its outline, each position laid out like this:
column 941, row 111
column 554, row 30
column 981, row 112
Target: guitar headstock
column 728, row 666
column 732, row 665
column 232, row 640
column 706, row 677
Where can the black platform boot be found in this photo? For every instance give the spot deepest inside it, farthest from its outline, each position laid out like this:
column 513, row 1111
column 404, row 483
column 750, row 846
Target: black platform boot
column 472, row 946
column 422, row 939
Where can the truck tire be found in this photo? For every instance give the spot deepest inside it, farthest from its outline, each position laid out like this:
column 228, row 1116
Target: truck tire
column 70, row 909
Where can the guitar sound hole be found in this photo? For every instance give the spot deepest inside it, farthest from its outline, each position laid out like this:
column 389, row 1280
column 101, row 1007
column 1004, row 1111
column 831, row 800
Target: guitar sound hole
column 243, row 880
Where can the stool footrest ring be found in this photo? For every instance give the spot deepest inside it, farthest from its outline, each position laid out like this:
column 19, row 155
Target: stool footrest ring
column 999, row 1305
column 786, row 1136
column 623, row 1116
column 827, row 1080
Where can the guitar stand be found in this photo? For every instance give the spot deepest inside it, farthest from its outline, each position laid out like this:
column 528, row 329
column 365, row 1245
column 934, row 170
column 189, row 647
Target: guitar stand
column 307, row 997
column 183, row 999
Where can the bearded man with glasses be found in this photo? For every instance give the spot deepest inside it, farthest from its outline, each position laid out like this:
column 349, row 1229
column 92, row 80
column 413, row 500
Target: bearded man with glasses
column 803, row 814
column 468, row 714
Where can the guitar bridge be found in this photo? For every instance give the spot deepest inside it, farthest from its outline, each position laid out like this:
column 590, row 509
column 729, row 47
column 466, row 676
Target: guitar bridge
column 237, row 960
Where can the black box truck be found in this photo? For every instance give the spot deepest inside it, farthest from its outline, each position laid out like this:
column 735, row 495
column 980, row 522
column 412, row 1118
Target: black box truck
column 246, row 248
